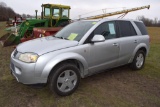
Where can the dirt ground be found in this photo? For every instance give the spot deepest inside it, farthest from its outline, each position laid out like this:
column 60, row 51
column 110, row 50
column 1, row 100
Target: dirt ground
column 119, row 87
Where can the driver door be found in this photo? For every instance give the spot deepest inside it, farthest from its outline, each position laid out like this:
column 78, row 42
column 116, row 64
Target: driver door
column 104, row 55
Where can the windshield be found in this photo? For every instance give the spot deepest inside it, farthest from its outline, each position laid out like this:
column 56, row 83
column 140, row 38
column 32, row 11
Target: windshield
column 55, row 12
column 75, row 31
column 46, row 11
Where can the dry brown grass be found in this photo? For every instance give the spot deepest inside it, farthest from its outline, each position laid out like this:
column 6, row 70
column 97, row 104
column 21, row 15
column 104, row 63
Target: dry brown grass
column 2, row 27
column 154, row 33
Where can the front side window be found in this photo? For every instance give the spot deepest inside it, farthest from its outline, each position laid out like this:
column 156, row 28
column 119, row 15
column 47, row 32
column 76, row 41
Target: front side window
column 56, row 12
column 107, row 29
column 46, row 11
column 65, row 12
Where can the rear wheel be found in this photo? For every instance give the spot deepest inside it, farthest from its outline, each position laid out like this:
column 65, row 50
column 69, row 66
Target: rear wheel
column 65, row 79
column 138, row 61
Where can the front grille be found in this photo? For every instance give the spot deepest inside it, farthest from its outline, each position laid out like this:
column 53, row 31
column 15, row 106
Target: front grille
column 15, row 53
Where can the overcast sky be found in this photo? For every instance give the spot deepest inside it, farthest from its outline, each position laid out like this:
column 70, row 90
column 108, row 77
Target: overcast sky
column 79, row 7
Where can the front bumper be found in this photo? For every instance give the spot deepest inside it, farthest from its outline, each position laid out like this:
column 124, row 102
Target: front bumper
column 25, row 72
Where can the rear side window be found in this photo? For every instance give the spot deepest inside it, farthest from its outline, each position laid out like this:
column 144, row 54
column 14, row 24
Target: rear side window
column 142, row 28
column 126, row 29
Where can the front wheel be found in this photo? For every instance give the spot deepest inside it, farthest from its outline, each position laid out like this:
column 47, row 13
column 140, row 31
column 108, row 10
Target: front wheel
column 65, row 79
column 138, row 61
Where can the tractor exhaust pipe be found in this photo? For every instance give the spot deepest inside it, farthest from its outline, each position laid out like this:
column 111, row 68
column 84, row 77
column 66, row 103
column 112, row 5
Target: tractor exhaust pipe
column 42, row 12
column 36, row 13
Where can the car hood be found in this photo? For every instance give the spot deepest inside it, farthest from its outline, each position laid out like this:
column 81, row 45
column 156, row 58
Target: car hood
column 45, row 45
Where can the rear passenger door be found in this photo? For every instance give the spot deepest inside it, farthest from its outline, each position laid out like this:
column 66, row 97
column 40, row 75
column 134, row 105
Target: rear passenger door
column 128, row 41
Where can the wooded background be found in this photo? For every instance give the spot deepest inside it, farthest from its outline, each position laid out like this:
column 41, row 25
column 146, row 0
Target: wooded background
column 7, row 12
column 149, row 22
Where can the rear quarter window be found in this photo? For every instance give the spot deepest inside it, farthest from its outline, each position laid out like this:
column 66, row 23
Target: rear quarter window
column 142, row 28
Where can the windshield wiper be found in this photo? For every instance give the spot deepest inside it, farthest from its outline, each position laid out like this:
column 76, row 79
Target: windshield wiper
column 65, row 38
column 62, row 38
column 58, row 37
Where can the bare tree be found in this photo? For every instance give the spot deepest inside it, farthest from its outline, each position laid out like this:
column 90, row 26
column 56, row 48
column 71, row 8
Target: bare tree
column 6, row 12
column 24, row 15
column 149, row 22
column 3, row 4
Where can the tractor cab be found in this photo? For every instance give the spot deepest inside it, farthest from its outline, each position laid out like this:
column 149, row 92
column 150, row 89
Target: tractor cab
column 57, row 15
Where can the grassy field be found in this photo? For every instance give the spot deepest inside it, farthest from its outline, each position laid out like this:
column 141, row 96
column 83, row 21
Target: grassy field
column 120, row 87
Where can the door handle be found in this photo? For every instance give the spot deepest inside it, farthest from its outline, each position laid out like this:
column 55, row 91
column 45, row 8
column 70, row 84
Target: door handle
column 135, row 41
column 115, row 44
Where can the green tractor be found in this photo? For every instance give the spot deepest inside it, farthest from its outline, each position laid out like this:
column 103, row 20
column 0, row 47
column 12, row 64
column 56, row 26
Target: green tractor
column 53, row 15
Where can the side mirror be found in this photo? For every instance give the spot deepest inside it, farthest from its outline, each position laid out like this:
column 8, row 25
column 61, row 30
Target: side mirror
column 98, row 38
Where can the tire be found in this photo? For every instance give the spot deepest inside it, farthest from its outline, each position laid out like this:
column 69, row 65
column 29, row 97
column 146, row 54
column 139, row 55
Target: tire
column 65, row 79
column 138, row 61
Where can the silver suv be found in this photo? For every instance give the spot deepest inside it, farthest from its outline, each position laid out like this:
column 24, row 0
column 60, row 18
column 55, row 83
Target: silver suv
column 80, row 49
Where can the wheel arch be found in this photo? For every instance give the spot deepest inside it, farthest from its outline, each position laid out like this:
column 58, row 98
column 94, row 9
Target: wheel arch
column 141, row 46
column 74, row 58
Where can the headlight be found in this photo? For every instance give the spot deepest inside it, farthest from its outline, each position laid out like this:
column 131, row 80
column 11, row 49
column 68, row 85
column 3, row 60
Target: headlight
column 28, row 57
